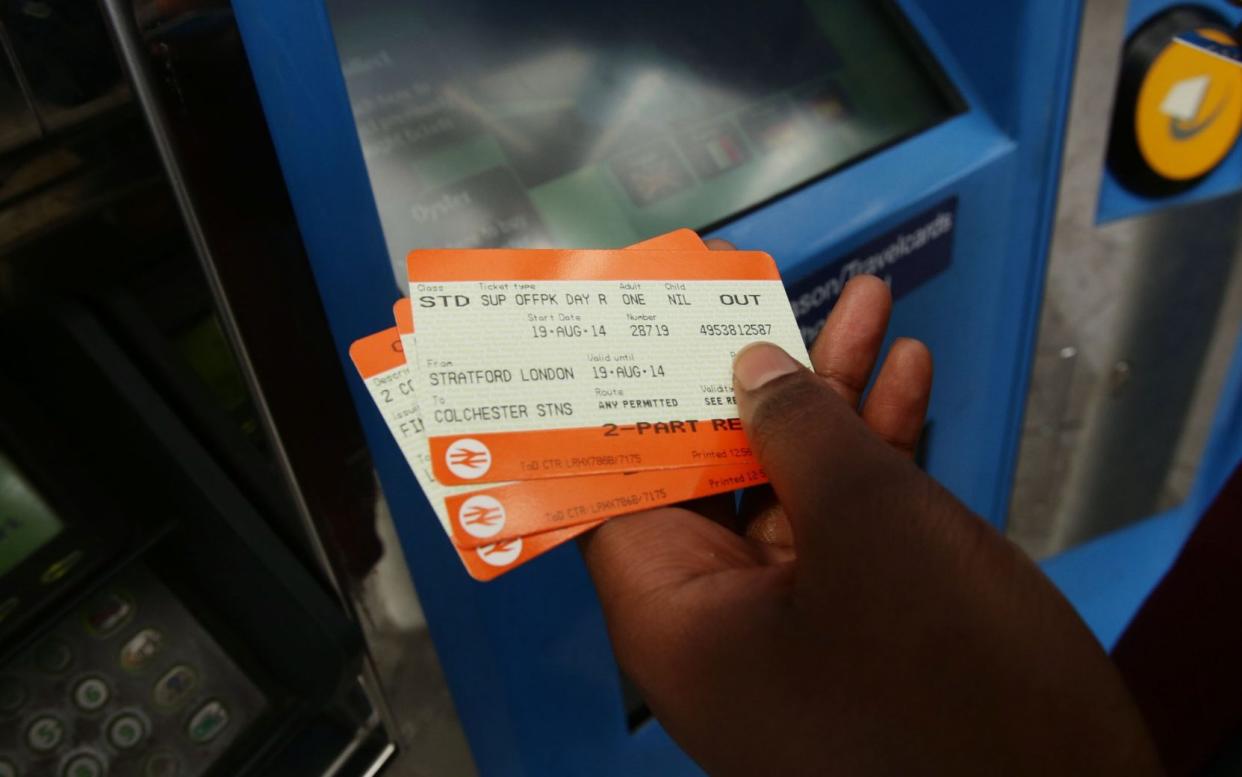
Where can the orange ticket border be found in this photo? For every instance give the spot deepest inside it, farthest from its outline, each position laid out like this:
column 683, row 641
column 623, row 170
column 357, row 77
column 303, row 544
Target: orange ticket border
column 533, row 507
column 431, row 266
column 679, row 240
column 539, row 454
column 489, row 562
column 377, row 353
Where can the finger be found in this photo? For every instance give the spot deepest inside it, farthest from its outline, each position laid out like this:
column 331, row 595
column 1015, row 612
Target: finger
column 816, row 451
column 846, row 350
column 896, row 407
column 844, row 353
column 635, row 557
column 716, row 244
column 895, row 410
column 762, row 518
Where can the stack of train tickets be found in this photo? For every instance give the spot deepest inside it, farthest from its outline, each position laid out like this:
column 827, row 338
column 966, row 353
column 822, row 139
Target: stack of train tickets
column 537, row 393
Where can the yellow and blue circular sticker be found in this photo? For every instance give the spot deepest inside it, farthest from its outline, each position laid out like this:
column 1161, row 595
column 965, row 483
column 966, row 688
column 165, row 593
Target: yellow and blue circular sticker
column 1189, row 110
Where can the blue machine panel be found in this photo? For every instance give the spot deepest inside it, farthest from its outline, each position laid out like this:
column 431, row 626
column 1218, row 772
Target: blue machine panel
column 906, row 257
column 1109, row 578
column 527, row 658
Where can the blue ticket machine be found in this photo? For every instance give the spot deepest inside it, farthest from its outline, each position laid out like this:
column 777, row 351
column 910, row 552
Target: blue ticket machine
column 919, row 140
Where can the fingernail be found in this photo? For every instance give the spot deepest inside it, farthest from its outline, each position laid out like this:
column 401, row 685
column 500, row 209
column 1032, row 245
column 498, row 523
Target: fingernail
column 758, row 364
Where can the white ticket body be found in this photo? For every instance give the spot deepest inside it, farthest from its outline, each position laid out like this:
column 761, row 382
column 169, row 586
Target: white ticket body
column 540, row 364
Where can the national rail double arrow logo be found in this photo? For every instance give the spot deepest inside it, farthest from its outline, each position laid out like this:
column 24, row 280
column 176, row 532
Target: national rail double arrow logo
column 481, row 516
column 468, row 458
column 501, row 554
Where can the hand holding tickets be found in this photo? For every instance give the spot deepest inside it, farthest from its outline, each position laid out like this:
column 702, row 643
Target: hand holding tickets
column 537, row 393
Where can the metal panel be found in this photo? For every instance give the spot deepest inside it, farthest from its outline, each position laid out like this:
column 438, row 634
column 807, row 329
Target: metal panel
column 1136, row 336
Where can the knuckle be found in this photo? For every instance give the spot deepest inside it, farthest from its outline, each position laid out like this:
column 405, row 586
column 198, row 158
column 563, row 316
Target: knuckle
column 848, row 386
column 790, row 408
column 902, row 444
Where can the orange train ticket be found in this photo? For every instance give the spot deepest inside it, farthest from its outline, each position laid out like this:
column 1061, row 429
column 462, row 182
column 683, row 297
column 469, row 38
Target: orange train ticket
column 491, row 561
column 477, row 515
column 381, row 364
column 547, row 364
column 534, row 508
column 509, row 524
column 525, row 509
column 510, row 510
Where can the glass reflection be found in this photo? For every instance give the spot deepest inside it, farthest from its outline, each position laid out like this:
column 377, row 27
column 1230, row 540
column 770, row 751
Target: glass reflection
column 488, row 123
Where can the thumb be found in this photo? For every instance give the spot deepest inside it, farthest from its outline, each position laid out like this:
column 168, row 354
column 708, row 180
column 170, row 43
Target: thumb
column 818, row 454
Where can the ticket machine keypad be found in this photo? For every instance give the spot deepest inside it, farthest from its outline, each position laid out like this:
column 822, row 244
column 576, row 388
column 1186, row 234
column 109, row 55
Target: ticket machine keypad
column 129, row 684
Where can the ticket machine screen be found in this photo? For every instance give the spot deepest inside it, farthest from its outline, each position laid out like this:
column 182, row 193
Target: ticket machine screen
column 26, row 521
column 492, row 123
